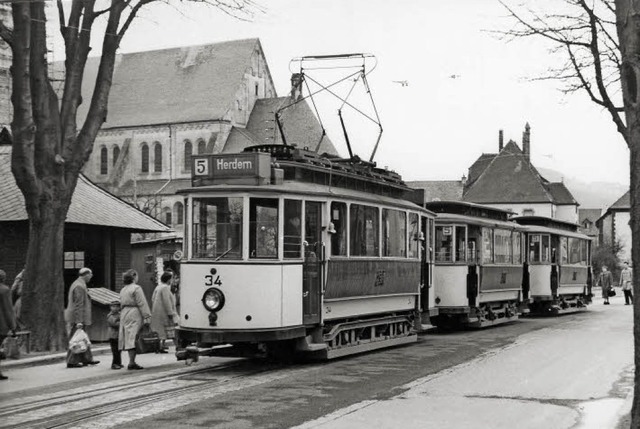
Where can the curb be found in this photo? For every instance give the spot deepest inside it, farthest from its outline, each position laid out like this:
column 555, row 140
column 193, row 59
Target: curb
column 46, row 359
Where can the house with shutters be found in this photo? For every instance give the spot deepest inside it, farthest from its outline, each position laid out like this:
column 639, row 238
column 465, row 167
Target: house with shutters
column 614, row 225
column 508, row 180
column 166, row 105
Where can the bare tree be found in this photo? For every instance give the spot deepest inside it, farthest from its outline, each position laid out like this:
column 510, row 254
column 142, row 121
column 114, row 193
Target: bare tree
column 49, row 148
column 601, row 43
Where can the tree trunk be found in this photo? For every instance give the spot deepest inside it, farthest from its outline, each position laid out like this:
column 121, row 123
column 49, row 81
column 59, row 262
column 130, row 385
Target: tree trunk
column 43, row 288
column 627, row 23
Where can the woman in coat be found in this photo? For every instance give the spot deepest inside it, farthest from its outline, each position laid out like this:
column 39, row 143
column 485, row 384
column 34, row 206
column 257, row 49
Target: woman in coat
column 133, row 314
column 163, row 305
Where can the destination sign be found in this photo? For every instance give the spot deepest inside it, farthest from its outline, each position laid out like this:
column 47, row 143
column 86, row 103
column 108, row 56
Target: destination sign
column 229, row 166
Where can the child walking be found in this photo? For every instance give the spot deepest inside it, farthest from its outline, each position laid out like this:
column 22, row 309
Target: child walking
column 113, row 320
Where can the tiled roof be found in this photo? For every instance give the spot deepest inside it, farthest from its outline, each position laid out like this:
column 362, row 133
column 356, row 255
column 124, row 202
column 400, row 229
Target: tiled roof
column 478, row 167
column 590, row 214
column 439, row 190
column 174, row 85
column 560, row 194
column 301, row 127
column 90, row 205
column 624, row 202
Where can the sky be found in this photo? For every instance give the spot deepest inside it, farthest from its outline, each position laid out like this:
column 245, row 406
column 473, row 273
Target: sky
column 464, row 83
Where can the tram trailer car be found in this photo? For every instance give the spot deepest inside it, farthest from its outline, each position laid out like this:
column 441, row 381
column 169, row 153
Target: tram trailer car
column 479, row 266
column 559, row 265
column 289, row 252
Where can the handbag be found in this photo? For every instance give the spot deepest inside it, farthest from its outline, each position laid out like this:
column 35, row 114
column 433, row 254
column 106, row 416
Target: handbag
column 612, row 292
column 147, row 341
column 11, row 348
column 79, row 342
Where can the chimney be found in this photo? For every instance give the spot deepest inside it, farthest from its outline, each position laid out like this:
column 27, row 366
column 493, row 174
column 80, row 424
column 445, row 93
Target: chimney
column 500, row 140
column 526, row 141
column 296, row 86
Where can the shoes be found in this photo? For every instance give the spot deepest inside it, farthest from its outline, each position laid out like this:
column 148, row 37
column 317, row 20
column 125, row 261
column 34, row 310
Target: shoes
column 74, row 365
column 114, row 366
column 606, row 303
column 626, row 303
column 163, row 351
column 3, row 377
column 134, row 366
column 93, row 362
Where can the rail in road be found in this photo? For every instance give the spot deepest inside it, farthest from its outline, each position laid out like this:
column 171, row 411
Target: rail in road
column 70, row 408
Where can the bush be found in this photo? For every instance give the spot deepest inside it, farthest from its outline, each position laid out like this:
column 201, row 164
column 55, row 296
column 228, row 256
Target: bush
column 607, row 255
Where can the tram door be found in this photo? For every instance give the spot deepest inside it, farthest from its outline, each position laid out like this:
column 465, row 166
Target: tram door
column 312, row 267
column 425, row 271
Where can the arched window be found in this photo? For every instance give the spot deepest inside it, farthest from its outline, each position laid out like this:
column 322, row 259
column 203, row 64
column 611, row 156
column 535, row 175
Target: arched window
column 188, row 151
column 116, row 154
column 166, row 216
column 157, row 157
column 178, row 212
column 202, row 147
column 104, row 160
column 144, row 153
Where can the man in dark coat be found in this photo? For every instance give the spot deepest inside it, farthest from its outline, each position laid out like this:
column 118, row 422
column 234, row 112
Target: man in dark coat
column 78, row 316
column 606, row 282
column 7, row 318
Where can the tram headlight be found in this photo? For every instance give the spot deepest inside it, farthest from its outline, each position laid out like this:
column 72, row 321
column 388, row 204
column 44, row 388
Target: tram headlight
column 213, row 299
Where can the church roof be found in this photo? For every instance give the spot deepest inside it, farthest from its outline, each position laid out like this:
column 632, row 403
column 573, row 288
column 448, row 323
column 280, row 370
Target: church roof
column 90, row 204
column 185, row 84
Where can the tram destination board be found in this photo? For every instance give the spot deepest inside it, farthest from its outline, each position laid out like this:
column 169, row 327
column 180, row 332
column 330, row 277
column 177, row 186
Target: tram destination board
column 237, row 168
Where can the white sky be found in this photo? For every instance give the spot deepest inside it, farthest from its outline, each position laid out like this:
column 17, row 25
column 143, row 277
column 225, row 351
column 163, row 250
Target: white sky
column 437, row 126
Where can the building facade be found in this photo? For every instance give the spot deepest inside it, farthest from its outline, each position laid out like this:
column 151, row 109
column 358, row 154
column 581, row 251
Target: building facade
column 615, row 227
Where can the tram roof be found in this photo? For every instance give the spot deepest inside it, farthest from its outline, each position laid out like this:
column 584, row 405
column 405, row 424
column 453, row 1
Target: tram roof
column 556, row 231
column 469, row 209
column 549, row 225
column 475, row 220
column 306, row 189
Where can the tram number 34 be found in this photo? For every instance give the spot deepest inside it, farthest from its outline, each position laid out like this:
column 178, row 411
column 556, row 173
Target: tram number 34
column 209, row 281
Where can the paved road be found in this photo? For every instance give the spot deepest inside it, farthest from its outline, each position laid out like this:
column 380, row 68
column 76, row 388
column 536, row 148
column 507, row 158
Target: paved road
column 563, row 372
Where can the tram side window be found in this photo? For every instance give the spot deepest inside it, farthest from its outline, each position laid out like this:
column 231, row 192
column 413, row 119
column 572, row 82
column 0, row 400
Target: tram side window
column 292, row 229
column 574, row 251
column 263, row 228
column 363, row 222
column 339, row 220
column 461, row 243
column 414, row 235
column 564, row 250
column 503, row 245
column 517, row 247
column 394, row 233
column 444, row 243
column 584, row 252
column 217, row 228
column 487, row 245
column 539, row 250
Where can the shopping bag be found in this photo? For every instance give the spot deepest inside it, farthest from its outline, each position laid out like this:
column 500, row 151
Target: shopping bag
column 79, row 342
column 612, row 292
column 147, row 341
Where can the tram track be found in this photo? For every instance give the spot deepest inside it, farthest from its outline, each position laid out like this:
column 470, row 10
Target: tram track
column 74, row 409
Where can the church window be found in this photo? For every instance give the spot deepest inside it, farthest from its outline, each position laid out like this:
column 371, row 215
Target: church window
column 256, row 89
column 167, row 218
column 202, row 147
column 188, row 151
column 116, row 154
column 104, row 160
column 157, row 158
column 144, row 153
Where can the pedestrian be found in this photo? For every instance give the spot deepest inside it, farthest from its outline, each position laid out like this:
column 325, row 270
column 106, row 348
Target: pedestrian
column 16, row 297
column 134, row 313
column 606, row 283
column 7, row 317
column 164, row 315
column 77, row 315
column 113, row 320
column 626, row 282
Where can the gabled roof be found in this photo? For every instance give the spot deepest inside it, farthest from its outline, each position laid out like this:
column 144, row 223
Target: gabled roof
column 186, row 84
column 588, row 214
column 300, row 125
column 90, row 205
column 439, row 190
column 479, row 166
column 622, row 203
column 509, row 178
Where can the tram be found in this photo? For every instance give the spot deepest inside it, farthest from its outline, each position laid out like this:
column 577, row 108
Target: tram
column 559, row 265
column 479, row 265
column 291, row 252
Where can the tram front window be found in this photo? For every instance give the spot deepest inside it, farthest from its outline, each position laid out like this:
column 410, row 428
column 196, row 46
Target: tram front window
column 217, row 228
column 444, row 244
column 263, row 228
